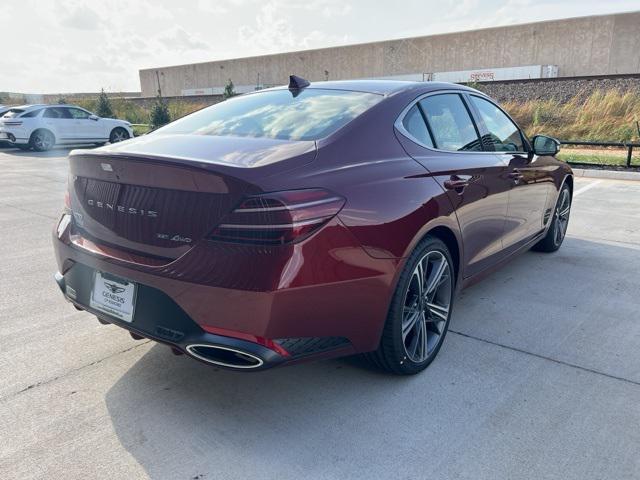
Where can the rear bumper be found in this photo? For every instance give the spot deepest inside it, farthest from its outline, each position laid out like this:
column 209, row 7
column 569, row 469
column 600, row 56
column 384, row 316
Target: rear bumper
column 305, row 313
column 12, row 137
column 159, row 318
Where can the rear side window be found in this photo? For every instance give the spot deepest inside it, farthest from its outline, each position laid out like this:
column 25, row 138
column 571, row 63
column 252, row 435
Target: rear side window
column 32, row 113
column 413, row 122
column 308, row 114
column 14, row 112
column 450, row 123
column 57, row 112
column 504, row 135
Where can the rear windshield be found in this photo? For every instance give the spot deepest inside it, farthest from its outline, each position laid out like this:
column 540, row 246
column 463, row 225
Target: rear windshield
column 309, row 114
column 14, row 112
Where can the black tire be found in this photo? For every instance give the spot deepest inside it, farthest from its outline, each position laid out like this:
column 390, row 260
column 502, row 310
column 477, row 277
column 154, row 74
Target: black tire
column 118, row 134
column 42, row 140
column 393, row 354
column 559, row 223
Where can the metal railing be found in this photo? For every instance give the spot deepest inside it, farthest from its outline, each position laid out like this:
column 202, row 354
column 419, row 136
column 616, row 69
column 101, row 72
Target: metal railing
column 628, row 145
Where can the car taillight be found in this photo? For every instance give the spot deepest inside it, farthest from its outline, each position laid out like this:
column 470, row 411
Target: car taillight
column 278, row 218
column 67, row 200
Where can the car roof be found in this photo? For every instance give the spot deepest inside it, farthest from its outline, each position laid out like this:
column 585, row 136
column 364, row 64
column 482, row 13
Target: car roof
column 382, row 87
column 29, row 106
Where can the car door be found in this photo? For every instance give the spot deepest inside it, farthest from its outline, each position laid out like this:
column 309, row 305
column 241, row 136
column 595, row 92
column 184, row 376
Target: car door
column 60, row 122
column 531, row 182
column 445, row 140
column 87, row 128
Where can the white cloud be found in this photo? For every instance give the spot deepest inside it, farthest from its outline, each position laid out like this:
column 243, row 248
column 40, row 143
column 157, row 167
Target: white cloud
column 178, row 38
column 83, row 45
column 81, row 17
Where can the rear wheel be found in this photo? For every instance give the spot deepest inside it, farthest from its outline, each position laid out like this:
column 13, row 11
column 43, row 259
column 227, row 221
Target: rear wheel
column 42, row 140
column 118, row 134
column 418, row 318
column 559, row 223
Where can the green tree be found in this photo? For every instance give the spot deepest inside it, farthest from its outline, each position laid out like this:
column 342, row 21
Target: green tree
column 103, row 109
column 160, row 113
column 228, row 90
column 62, row 101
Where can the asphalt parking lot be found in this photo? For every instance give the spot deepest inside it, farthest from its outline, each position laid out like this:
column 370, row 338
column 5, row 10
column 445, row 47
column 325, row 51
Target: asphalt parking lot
column 539, row 377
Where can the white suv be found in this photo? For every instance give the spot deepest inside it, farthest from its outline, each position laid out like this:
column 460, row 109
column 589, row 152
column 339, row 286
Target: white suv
column 42, row 126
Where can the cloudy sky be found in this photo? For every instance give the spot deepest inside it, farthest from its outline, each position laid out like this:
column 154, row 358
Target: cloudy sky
column 52, row 46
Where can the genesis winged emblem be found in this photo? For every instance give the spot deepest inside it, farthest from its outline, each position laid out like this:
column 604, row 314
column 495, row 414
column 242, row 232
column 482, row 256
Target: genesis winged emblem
column 114, row 288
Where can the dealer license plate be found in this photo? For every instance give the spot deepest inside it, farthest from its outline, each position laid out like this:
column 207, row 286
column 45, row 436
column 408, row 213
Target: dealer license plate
column 113, row 296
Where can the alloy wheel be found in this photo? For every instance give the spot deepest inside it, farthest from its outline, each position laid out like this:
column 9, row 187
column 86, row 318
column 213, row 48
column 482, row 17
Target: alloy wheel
column 43, row 141
column 427, row 305
column 562, row 216
column 119, row 135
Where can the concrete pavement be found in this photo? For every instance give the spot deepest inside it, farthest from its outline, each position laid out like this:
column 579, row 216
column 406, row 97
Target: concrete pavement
column 538, row 378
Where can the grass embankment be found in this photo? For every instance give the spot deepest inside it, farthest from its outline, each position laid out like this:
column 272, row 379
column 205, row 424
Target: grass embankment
column 604, row 116
column 132, row 112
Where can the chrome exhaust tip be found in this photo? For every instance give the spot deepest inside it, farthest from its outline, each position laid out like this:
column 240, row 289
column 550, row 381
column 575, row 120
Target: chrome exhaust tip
column 224, row 356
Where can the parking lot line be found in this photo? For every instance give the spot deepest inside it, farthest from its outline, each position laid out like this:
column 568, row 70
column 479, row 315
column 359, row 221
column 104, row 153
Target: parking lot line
column 589, row 186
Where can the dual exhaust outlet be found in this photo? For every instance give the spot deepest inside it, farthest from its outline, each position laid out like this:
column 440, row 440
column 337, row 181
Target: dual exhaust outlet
column 224, row 356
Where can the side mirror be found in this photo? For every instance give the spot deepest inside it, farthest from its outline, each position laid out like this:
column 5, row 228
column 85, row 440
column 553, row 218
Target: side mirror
column 95, row 118
column 543, row 145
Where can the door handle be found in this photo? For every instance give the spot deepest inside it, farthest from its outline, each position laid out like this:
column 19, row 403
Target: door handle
column 516, row 175
column 456, row 183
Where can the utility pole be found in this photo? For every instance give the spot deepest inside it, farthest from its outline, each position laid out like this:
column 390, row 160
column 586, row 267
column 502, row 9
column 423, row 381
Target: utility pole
column 158, row 79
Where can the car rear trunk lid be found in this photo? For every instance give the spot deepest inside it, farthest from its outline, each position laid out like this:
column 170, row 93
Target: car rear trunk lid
column 162, row 206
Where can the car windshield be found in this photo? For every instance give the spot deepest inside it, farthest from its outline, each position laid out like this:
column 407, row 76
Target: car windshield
column 14, row 112
column 309, row 114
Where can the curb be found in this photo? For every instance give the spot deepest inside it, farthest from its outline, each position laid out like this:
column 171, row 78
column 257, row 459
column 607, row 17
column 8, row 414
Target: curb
column 610, row 174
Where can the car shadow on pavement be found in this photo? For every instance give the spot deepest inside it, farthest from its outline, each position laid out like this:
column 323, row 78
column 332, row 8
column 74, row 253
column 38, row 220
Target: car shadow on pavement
column 167, row 406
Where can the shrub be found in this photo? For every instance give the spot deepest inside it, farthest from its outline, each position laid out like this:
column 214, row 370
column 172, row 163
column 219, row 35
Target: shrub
column 160, row 113
column 228, row 90
column 103, row 108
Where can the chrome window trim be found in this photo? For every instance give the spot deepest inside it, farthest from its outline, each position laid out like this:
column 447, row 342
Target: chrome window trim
column 400, row 127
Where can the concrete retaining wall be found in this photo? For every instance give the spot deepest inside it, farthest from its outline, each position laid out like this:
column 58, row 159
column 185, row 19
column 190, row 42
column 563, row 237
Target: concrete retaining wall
column 597, row 45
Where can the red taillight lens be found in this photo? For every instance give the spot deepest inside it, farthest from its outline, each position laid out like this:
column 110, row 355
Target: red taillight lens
column 278, row 218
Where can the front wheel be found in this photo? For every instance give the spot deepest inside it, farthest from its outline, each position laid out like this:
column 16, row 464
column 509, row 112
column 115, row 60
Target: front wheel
column 118, row 134
column 559, row 223
column 418, row 318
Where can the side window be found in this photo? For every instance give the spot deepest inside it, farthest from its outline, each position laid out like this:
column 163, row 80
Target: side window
column 450, row 123
column 78, row 114
column 504, row 135
column 414, row 124
column 56, row 112
column 32, row 113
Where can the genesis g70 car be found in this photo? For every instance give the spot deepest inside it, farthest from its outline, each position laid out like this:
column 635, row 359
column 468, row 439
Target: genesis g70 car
column 308, row 221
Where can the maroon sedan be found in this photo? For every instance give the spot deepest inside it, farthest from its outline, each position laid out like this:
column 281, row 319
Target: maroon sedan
column 308, row 221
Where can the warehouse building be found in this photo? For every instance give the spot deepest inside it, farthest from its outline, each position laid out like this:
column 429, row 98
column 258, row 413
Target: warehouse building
column 574, row 47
